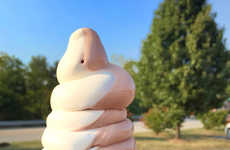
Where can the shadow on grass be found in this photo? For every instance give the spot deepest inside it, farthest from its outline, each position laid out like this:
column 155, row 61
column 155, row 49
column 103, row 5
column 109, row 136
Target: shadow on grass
column 19, row 148
column 195, row 137
column 143, row 138
column 4, row 144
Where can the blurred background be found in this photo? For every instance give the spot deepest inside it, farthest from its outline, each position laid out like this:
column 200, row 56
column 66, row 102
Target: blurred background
column 177, row 52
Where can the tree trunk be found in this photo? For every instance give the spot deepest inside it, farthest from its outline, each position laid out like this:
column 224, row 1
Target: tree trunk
column 178, row 134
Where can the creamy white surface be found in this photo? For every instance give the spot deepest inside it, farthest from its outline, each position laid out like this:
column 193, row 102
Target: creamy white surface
column 68, row 99
column 64, row 120
column 64, row 140
column 95, row 148
column 70, row 67
column 81, row 94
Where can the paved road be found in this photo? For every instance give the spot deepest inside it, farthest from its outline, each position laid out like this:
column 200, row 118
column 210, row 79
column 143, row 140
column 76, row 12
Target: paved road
column 20, row 134
column 34, row 133
column 191, row 124
column 188, row 124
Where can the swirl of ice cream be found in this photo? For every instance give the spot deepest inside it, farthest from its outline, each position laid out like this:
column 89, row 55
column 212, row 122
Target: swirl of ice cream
column 88, row 106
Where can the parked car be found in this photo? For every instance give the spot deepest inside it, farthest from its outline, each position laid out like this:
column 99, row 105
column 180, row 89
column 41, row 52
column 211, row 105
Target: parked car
column 227, row 127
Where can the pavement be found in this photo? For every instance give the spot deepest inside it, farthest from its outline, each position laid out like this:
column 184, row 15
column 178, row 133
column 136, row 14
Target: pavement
column 191, row 124
column 21, row 134
column 34, row 133
column 188, row 124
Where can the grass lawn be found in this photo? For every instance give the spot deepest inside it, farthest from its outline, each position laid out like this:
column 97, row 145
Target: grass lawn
column 196, row 139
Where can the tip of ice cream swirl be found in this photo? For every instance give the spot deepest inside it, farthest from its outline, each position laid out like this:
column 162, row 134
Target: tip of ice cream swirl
column 85, row 53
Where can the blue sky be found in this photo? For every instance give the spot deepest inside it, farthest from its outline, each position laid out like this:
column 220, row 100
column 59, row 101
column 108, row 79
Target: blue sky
column 42, row 27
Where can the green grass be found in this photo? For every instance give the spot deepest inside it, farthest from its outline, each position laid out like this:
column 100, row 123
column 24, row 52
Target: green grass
column 196, row 139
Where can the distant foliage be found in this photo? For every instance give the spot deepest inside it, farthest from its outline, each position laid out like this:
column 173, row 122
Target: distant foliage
column 12, row 88
column 216, row 119
column 136, row 106
column 40, row 81
column 118, row 59
column 25, row 89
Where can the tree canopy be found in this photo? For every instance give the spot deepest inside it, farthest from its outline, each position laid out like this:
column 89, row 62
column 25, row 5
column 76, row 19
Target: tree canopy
column 184, row 64
column 41, row 80
column 25, row 89
column 12, row 87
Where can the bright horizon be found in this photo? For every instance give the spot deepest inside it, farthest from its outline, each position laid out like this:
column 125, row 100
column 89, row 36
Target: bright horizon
column 30, row 28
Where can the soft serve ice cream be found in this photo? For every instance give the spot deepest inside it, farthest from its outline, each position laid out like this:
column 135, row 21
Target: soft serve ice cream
column 88, row 106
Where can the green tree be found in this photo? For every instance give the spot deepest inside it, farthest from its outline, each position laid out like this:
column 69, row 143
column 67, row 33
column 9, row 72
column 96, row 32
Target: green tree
column 12, row 88
column 214, row 119
column 184, row 64
column 136, row 106
column 41, row 80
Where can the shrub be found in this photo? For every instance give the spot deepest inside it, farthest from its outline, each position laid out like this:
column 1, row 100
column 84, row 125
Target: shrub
column 159, row 118
column 215, row 119
column 154, row 119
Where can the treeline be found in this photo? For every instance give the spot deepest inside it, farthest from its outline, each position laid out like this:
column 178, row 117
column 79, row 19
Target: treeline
column 25, row 88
